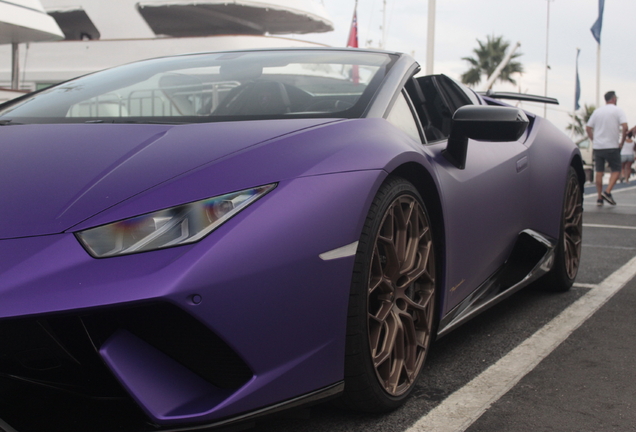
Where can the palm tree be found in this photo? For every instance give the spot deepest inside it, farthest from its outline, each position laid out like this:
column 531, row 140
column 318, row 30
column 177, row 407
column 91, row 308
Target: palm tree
column 579, row 120
column 488, row 57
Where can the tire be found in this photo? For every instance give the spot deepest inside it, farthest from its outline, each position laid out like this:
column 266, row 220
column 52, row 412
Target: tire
column 392, row 301
column 567, row 255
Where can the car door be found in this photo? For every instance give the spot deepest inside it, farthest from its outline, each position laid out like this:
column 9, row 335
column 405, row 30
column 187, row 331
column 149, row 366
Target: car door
column 484, row 204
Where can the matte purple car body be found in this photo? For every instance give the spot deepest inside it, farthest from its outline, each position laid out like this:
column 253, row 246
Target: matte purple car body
column 258, row 281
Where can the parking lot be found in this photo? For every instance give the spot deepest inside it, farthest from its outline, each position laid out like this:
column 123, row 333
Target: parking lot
column 537, row 361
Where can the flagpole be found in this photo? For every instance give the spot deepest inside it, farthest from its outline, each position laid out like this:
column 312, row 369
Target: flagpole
column 15, row 66
column 383, row 41
column 577, row 84
column 598, row 75
column 547, row 66
column 352, row 42
column 430, row 38
column 596, row 32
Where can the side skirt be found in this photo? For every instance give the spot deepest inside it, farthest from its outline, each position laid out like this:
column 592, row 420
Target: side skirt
column 532, row 256
column 317, row 396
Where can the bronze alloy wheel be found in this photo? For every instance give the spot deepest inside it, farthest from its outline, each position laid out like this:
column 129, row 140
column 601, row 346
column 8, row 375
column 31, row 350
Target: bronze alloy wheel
column 567, row 254
column 573, row 226
column 401, row 292
column 392, row 303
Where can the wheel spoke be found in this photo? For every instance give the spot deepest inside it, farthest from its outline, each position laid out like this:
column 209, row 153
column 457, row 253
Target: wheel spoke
column 397, row 357
column 391, row 327
column 410, row 337
column 384, row 305
column 421, row 305
column 377, row 272
column 388, row 255
column 417, row 270
column 413, row 246
column 399, row 232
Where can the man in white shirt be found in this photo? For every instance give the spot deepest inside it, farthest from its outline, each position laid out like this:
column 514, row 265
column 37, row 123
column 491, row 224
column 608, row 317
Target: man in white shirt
column 607, row 129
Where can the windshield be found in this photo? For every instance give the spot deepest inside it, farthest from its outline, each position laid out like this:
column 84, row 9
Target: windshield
column 212, row 87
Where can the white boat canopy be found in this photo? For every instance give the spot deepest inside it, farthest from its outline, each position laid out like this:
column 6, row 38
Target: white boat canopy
column 26, row 21
column 216, row 17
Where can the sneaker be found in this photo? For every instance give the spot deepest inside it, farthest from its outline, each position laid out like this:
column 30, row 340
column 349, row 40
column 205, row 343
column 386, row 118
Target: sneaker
column 599, row 202
column 608, row 197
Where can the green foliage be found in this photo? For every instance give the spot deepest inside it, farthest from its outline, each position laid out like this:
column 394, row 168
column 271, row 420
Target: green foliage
column 579, row 120
column 487, row 57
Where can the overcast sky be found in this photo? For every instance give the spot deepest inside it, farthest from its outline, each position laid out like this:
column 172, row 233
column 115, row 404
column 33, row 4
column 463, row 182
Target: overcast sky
column 459, row 23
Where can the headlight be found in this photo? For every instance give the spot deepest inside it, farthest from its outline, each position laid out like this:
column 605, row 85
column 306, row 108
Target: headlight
column 175, row 226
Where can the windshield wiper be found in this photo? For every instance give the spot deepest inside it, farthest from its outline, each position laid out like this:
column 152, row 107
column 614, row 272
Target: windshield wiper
column 115, row 121
column 152, row 122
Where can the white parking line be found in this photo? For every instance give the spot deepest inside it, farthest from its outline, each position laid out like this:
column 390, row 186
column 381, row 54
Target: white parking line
column 584, row 285
column 610, row 247
column 620, row 204
column 466, row 405
column 5, row 427
column 609, row 226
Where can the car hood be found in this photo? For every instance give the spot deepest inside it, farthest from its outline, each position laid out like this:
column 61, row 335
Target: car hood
column 53, row 177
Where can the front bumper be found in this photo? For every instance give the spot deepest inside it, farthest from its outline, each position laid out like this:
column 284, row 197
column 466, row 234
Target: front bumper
column 247, row 318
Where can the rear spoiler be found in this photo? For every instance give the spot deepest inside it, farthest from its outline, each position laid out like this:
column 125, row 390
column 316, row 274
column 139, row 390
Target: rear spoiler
column 519, row 97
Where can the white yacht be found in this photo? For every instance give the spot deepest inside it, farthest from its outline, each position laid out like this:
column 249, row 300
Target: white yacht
column 99, row 34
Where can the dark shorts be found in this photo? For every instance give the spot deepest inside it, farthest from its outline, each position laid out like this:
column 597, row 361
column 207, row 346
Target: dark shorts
column 611, row 156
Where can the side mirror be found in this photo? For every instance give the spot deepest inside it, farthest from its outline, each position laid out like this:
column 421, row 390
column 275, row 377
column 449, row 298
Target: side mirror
column 482, row 123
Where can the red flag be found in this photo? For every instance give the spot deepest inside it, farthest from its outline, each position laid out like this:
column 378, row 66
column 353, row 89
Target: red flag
column 353, row 43
column 353, row 32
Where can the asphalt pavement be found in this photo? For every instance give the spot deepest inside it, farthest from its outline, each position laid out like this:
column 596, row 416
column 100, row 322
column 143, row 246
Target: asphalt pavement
column 589, row 382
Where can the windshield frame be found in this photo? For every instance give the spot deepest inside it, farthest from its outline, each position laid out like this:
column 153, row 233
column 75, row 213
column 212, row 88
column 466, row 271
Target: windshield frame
column 94, row 83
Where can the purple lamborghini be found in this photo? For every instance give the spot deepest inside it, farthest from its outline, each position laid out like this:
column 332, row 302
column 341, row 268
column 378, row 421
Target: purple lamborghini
column 215, row 237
